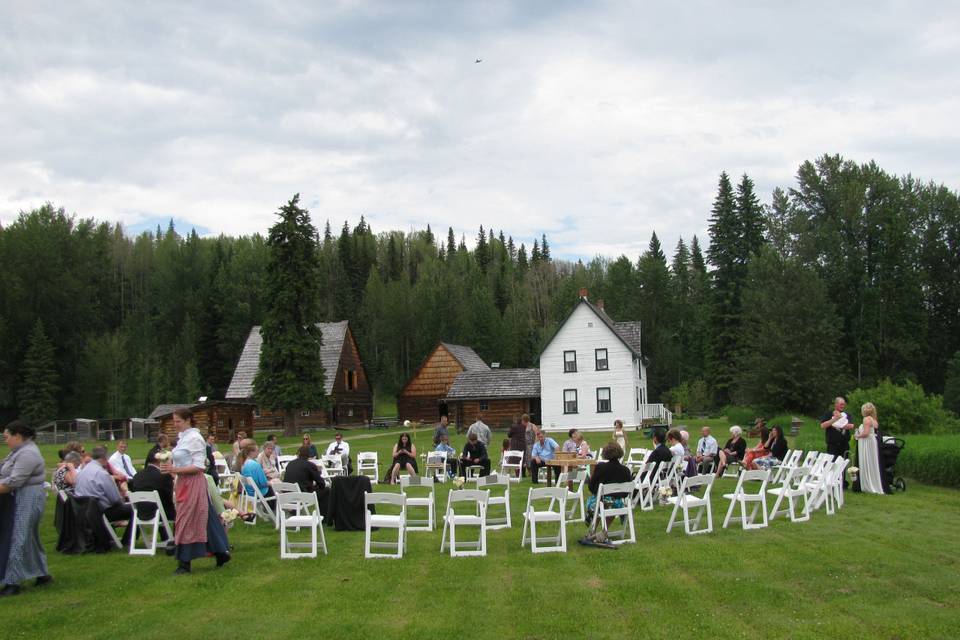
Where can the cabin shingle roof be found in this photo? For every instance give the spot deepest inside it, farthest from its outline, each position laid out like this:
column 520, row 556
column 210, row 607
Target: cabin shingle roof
column 466, row 356
column 241, row 385
column 496, row 383
column 165, row 410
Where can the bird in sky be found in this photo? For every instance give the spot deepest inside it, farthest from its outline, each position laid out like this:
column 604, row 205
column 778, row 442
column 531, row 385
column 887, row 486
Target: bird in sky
column 478, row 61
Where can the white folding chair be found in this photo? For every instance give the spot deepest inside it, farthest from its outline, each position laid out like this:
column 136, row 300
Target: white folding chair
column 396, row 521
column 148, row 528
column 741, row 497
column 602, row 513
column 284, row 487
column 511, row 465
column 578, row 480
column 645, row 485
column 810, row 458
column 333, row 464
column 491, row 483
column 790, row 461
column 306, row 514
column 257, row 504
column 733, row 469
column 436, row 465
column 827, row 490
column 793, row 487
column 282, row 462
column 837, row 480
column 113, row 533
column 687, row 500
column 475, row 517
column 670, row 474
column 368, row 465
column 228, row 480
column 555, row 512
column 637, row 458
column 419, row 499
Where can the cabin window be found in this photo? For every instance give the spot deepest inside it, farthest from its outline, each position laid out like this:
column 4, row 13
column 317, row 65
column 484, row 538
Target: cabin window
column 601, row 358
column 603, row 400
column 220, row 422
column 305, row 413
column 243, row 422
column 569, row 361
column 350, row 379
column 350, row 412
column 256, row 412
column 570, row 401
column 484, row 405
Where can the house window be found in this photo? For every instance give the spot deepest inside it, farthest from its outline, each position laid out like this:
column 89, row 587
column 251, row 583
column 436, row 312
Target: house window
column 601, row 359
column 603, row 400
column 350, row 379
column 570, row 401
column 636, row 396
column 305, row 413
column 569, row 361
column 484, row 405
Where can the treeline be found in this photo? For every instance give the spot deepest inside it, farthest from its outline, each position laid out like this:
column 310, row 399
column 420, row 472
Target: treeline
column 845, row 279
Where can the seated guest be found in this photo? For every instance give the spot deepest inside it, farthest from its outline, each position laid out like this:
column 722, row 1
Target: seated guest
column 451, row 454
column 440, row 430
column 776, row 446
column 65, row 477
column 272, row 438
column 162, row 444
column 544, row 450
column 150, row 478
column 212, row 441
column 304, row 473
column 570, row 445
column 733, row 450
column 238, row 443
column 341, row 447
column 482, row 430
column 759, row 451
column 268, row 460
column 583, row 447
column 310, row 446
column 250, row 468
column 121, row 462
column 609, row 472
column 675, row 444
column 660, row 451
column 95, row 481
column 689, row 466
column 474, row 454
column 707, row 449
column 404, row 457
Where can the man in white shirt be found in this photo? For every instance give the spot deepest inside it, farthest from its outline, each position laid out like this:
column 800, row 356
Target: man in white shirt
column 121, row 462
column 341, row 447
column 482, row 431
column 707, row 449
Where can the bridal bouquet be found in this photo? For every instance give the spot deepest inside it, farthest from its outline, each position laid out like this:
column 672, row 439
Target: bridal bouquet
column 459, row 481
column 163, row 456
column 665, row 492
column 228, row 516
column 853, row 473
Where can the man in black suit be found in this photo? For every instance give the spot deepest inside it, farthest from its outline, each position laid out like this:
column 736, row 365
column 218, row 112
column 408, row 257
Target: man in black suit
column 837, row 426
column 151, row 479
column 304, row 473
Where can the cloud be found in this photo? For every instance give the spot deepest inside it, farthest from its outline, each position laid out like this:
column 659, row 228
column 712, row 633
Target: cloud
column 593, row 123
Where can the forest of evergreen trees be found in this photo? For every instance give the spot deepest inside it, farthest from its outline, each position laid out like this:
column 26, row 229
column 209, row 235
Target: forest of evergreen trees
column 846, row 278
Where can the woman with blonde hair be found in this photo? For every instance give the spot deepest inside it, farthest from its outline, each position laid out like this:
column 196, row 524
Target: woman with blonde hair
column 868, row 458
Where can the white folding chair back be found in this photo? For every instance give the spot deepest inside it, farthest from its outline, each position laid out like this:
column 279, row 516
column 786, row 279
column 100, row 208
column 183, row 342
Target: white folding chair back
column 790, row 461
column 419, row 493
column 646, row 483
column 511, row 465
column 617, row 490
column 257, row 504
column 333, row 464
column 306, row 514
column 228, row 480
column 475, row 517
column 574, row 482
column 742, row 498
column 283, row 461
column 492, row 483
column 687, row 501
column 810, row 458
column 555, row 512
column 385, row 521
column 794, row 489
column 368, row 465
column 148, row 528
column 637, row 458
column 436, row 465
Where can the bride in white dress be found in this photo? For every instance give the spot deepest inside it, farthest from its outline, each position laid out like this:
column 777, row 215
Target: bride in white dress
column 867, row 451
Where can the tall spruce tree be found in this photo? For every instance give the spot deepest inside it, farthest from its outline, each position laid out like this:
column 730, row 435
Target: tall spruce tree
column 482, row 251
column 728, row 278
column 291, row 375
column 544, row 248
column 38, row 388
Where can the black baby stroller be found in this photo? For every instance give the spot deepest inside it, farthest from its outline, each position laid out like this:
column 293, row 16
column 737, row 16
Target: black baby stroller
column 889, row 452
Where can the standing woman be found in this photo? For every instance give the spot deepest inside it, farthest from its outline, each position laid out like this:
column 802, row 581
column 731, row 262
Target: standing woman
column 198, row 529
column 619, row 436
column 868, row 455
column 22, row 498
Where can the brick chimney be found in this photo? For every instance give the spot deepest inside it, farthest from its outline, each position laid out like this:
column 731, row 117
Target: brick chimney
column 599, row 304
column 583, row 292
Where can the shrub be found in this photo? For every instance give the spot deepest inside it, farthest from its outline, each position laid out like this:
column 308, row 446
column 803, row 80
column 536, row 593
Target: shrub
column 743, row 416
column 931, row 459
column 951, row 387
column 905, row 409
column 693, row 397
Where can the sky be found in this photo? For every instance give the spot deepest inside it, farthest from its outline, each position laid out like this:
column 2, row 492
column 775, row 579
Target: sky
column 595, row 123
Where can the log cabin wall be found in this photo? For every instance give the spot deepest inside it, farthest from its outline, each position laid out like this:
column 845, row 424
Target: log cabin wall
column 225, row 420
column 351, row 393
column 421, row 396
column 266, row 420
column 500, row 414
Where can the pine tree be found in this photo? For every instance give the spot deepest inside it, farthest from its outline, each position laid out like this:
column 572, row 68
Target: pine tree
column 655, row 312
column 428, row 235
column 535, row 256
column 728, row 276
column 451, row 244
column 482, row 251
column 522, row 259
column 778, row 222
column 544, row 248
column 511, row 249
column 750, row 215
column 38, row 389
column 291, row 375
column 327, row 233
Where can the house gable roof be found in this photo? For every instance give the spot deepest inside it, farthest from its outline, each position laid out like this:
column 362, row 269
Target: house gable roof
column 628, row 331
column 466, row 357
column 496, row 383
column 241, row 385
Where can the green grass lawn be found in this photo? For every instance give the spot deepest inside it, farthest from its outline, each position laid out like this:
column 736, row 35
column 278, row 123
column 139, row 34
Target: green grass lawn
column 384, row 405
column 884, row 566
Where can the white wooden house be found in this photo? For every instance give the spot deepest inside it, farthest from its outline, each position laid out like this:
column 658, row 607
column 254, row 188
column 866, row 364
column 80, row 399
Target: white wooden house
column 592, row 372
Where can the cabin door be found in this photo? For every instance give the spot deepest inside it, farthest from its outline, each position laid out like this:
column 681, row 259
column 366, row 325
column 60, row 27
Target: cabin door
column 443, row 410
column 535, row 410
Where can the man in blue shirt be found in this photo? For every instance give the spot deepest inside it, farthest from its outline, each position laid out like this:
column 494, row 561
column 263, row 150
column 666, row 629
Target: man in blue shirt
column 544, row 449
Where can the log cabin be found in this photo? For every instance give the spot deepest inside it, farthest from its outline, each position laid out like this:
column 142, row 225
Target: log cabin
column 498, row 397
column 345, row 381
column 423, row 397
column 224, row 417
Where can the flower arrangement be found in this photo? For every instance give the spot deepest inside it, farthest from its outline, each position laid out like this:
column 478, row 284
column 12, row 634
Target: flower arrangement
column 163, row 456
column 229, row 515
column 853, row 473
column 665, row 492
column 459, row 481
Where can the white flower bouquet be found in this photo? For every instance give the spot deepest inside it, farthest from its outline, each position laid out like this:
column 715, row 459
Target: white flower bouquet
column 459, row 481
column 163, row 456
column 665, row 492
column 228, row 516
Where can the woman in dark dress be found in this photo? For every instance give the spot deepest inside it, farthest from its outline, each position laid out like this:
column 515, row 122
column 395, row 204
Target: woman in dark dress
column 404, row 457
column 733, row 450
column 776, row 447
column 609, row 472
